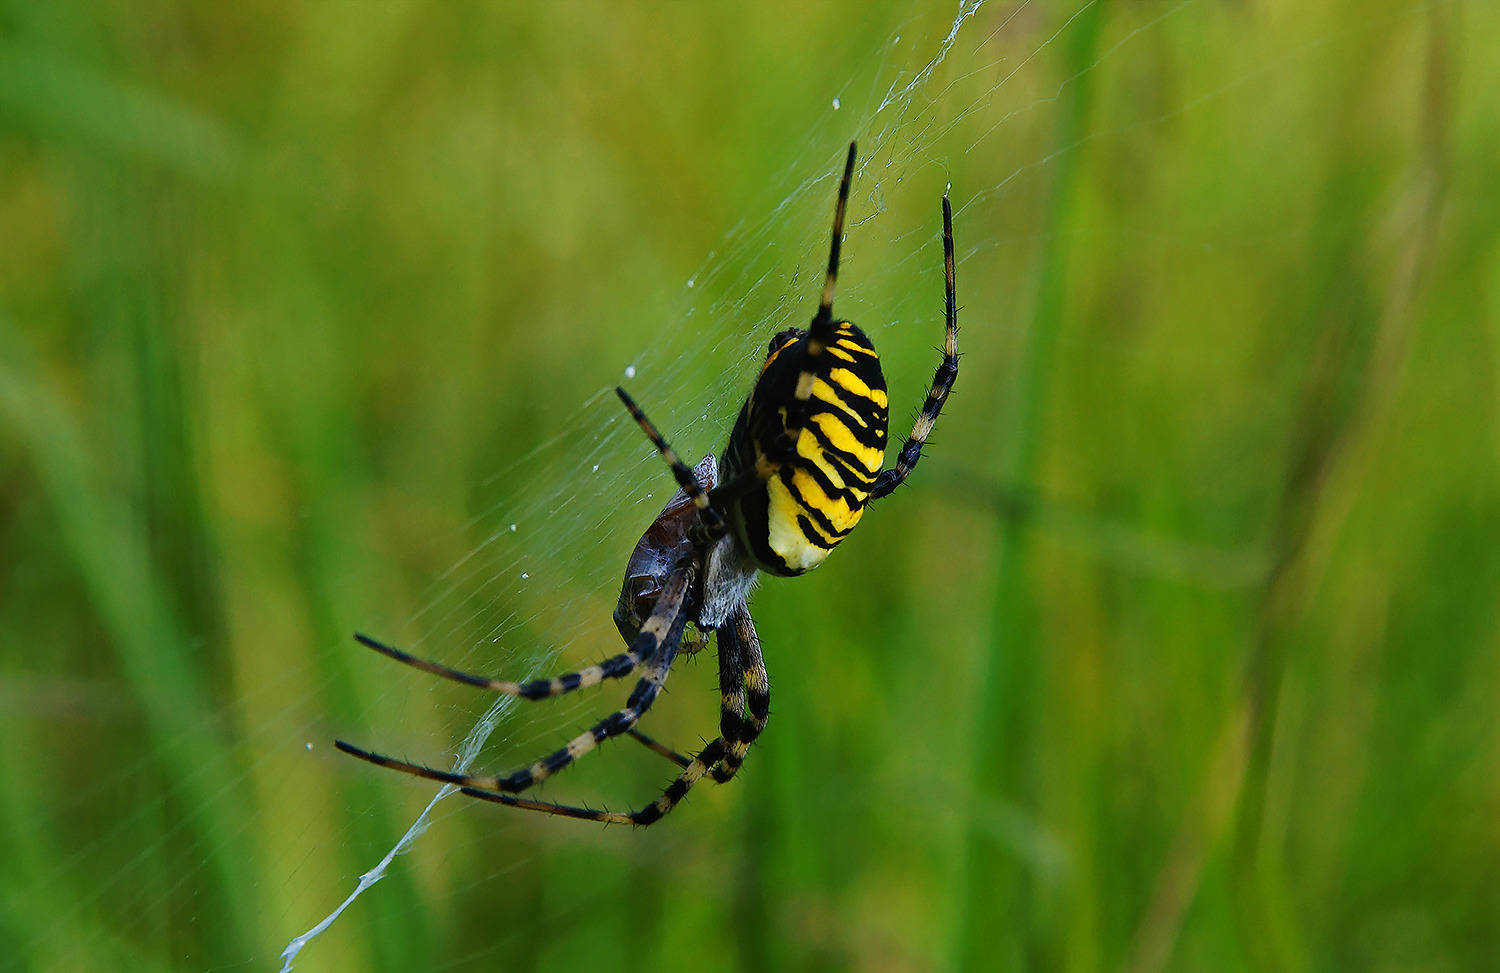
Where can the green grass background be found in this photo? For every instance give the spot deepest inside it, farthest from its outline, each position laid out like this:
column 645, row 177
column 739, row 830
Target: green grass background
column 1180, row 652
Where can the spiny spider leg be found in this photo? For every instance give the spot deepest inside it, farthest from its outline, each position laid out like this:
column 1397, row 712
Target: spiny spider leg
column 741, row 669
column 757, row 693
column 942, row 381
column 823, row 320
column 660, row 748
column 648, row 815
column 731, row 707
column 711, row 755
column 822, row 332
column 616, row 667
column 713, row 524
column 657, row 646
column 742, row 673
column 720, row 760
column 731, row 692
column 502, row 792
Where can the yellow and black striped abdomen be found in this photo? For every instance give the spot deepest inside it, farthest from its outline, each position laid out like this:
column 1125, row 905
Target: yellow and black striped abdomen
column 818, row 491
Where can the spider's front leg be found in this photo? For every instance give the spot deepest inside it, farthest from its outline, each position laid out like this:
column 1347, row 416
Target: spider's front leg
column 942, row 379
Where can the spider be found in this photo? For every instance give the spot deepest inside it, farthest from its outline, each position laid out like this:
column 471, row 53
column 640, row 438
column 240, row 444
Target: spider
column 803, row 460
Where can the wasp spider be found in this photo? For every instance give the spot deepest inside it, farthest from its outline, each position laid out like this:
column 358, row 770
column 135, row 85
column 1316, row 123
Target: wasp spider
column 803, row 460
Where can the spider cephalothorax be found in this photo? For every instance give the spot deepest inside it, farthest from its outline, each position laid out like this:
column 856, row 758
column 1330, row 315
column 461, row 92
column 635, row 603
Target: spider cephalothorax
column 804, row 458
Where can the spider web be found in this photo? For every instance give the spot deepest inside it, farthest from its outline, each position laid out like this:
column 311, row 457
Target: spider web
column 905, row 116
column 941, row 102
column 749, row 300
column 937, row 100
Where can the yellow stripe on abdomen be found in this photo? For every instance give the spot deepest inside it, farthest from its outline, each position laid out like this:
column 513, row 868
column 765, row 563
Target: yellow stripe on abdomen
column 786, row 517
column 839, row 436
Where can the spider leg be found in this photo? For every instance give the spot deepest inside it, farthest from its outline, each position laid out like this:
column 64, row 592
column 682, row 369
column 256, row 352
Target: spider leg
column 756, row 693
column 660, row 748
column 822, row 322
column 742, row 680
column 822, row 332
column 732, row 707
column 621, row 721
column 731, row 694
column 942, row 381
column 648, row 815
column 712, row 521
column 657, row 642
column 616, row 667
column 719, row 760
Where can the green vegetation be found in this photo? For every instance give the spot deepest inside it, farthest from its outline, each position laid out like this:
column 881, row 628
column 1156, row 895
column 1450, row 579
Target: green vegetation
column 1181, row 652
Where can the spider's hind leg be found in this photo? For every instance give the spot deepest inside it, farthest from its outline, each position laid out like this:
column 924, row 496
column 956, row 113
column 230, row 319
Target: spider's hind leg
column 658, row 641
column 648, row 815
column 661, row 748
column 755, row 695
column 734, row 675
column 742, row 682
column 615, row 667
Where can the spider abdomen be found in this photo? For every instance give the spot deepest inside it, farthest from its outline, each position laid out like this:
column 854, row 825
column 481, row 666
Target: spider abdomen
column 818, row 493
